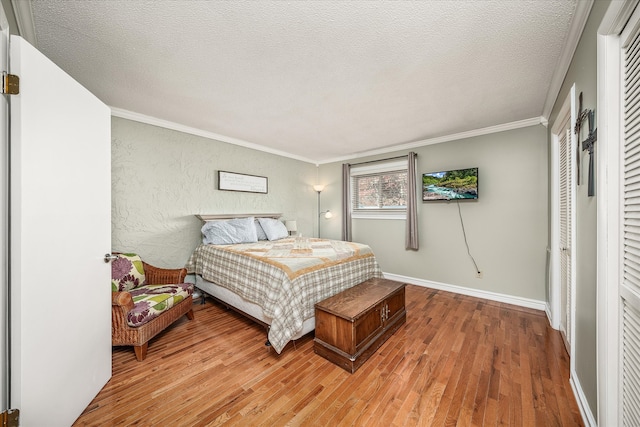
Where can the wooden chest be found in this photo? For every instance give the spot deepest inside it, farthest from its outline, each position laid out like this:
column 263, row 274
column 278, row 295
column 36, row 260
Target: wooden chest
column 352, row 325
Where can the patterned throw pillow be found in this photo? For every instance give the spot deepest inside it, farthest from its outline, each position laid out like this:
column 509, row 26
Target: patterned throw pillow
column 127, row 272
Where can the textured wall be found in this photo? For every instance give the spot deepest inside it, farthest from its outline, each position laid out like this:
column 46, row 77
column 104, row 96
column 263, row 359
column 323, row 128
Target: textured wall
column 506, row 227
column 161, row 178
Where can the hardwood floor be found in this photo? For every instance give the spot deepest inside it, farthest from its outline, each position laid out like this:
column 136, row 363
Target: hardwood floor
column 458, row 360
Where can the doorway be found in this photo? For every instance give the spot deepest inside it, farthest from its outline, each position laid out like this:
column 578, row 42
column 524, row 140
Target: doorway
column 562, row 284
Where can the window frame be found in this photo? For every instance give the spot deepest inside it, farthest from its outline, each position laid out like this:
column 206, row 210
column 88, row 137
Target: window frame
column 377, row 169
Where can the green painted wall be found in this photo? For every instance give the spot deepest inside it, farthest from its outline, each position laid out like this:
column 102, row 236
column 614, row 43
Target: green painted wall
column 161, row 178
column 506, row 227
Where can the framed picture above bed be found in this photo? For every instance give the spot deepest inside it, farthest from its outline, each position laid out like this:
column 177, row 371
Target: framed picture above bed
column 231, row 181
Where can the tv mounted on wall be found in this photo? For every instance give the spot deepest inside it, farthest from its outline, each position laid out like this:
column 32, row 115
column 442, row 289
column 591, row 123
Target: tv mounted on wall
column 459, row 184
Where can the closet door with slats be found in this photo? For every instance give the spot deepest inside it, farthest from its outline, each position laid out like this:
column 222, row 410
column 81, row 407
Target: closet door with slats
column 564, row 146
column 630, row 209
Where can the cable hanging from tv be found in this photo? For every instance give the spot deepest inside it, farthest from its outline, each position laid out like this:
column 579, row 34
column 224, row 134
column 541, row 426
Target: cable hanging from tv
column 465, row 238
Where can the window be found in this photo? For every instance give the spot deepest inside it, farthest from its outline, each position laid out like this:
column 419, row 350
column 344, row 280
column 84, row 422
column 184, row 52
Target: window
column 380, row 190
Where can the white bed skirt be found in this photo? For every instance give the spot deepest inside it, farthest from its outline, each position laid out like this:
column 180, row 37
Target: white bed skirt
column 253, row 310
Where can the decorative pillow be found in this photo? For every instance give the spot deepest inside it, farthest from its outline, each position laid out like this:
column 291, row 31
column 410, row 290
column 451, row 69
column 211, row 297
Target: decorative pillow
column 238, row 230
column 273, row 228
column 259, row 231
column 127, row 272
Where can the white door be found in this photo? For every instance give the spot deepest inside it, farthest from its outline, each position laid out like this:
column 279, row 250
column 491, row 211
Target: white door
column 61, row 230
column 629, row 286
column 618, row 204
column 4, row 216
column 565, row 235
column 562, row 280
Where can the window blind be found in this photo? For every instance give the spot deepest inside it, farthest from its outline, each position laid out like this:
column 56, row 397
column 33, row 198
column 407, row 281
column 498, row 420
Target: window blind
column 380, row 191
column 379, row 187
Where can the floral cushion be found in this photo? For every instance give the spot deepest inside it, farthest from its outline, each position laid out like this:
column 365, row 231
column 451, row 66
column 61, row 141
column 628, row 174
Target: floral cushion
column 151, row 300
column 127, row 272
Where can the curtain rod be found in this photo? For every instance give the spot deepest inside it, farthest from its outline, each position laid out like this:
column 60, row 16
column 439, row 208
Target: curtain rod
column 380, row 160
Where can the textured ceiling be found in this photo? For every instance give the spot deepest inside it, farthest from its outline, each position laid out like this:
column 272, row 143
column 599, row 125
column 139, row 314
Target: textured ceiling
column 321, row 80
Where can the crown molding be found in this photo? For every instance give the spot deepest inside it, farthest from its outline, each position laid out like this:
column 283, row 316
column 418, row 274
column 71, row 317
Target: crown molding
column 617, row 16
column 24, row 19
column 453, row 137
column 130, row 115
column 580, row 17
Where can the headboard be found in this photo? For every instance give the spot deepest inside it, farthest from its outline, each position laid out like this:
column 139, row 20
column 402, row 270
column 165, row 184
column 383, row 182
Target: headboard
column 219, row 217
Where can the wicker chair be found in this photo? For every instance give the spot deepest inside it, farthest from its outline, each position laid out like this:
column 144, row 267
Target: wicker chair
column 123, row 334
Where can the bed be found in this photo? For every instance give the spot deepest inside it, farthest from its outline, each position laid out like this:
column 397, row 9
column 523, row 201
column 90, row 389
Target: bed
column 277, row 282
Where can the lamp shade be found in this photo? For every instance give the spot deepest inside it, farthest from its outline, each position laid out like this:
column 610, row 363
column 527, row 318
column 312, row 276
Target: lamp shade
column 318, row 187
column 291, row 225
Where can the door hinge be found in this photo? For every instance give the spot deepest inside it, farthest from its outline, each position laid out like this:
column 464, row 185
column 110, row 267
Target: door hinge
column 10, row 84
column 9, row 418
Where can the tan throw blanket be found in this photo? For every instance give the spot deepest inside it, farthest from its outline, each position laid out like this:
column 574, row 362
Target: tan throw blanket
column 286, row 277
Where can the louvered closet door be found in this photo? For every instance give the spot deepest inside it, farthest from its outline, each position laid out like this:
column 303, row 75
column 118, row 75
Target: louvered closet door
column 565, row 235
column 630, row 286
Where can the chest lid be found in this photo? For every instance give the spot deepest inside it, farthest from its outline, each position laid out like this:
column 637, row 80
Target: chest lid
column 353, row 302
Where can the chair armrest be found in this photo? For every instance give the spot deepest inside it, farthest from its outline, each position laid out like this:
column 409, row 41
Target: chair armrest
column 121, row 304
column 163, row 276
column 122, row 299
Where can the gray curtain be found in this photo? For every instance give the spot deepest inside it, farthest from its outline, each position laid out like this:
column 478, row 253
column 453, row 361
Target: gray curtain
column 346, row 202
column 411, row 237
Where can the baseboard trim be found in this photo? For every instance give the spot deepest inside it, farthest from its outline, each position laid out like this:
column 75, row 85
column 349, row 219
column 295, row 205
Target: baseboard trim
column 493, row 296
column 583, row 405
column 547, row 310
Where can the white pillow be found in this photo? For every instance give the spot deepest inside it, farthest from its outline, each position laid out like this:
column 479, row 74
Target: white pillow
column 273, row 228
column 260, row 232
column 239, row 230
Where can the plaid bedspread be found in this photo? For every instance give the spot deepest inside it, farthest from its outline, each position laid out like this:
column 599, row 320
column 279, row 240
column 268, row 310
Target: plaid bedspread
column 286, row 277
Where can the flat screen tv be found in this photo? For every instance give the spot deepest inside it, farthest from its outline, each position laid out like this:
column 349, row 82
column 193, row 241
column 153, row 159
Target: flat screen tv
column 459, row 184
